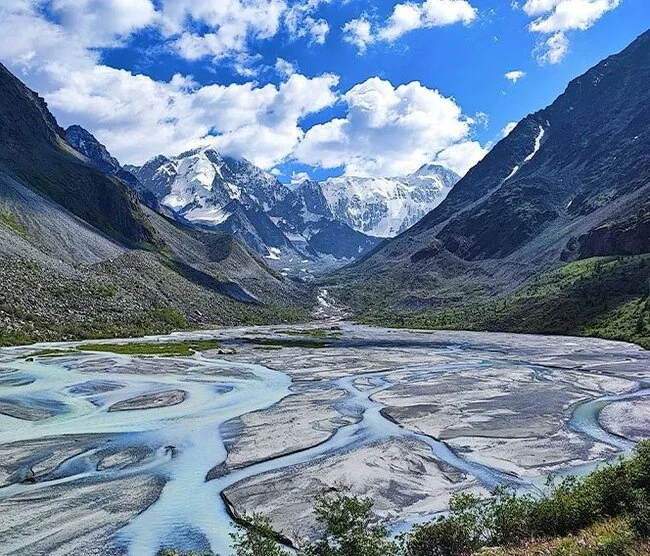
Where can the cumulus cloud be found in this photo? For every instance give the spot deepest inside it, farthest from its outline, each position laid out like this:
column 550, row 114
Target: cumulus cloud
column 229, row 25
column 555, row 18
column 139, row 117
column 391, row 130
column 431, row 13
column 462, row 156
column 385, row 129
column 103, row 23
column 515, row 75
column 358, row 32
column 407, row 17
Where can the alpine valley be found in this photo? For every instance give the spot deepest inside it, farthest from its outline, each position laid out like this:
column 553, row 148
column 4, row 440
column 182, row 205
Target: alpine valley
column 196, row 358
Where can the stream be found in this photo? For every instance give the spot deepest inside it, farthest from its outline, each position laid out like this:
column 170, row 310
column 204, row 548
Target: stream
column 185, row 441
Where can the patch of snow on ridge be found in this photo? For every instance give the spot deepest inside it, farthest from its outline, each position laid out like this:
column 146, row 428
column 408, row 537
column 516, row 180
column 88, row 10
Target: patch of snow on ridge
column 211, row 216
column 514, row 171
column 193, row 182
column 538, row 144
column 274, row 254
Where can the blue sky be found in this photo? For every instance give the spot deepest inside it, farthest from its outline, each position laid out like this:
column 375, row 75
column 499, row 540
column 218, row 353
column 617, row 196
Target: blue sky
column 368, row 87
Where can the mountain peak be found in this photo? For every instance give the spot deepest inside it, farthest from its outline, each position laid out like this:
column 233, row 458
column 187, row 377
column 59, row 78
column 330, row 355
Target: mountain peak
column 435, row 169
column 385, row 207
column 85, row 142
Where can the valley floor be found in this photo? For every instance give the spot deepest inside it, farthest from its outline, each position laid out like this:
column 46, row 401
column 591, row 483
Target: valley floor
column 132, row 447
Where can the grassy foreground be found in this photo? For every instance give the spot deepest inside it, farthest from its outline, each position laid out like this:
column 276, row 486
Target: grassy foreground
column 606, row 513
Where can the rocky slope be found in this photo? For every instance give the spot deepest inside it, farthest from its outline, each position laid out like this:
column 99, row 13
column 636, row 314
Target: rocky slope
column 385, row 207
column 81, row 257
column 86, row 143
column 33, row 148
column 570, row 181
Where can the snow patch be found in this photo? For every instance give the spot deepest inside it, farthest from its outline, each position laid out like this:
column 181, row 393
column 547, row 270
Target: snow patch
column 274, row 254
column 514, row 171
column 384, row 207
column 538, row 144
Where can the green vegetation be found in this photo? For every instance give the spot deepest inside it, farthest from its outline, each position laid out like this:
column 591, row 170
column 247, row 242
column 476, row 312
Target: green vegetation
column 166, row 349
column 606, row 513
column 257, row 538
column 607, row 297
column 331, row 332
column 51, row 353
column 613, row 537
column 350, row 529
column 286, row 342
column 11, row 221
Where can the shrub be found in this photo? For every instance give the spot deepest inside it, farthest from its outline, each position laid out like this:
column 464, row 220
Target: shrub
column 256, row 539
column 443, row 537
column 351, row 529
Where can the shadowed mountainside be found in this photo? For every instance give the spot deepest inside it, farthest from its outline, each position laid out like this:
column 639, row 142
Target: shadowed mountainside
column 81, row 257
column 569, row 182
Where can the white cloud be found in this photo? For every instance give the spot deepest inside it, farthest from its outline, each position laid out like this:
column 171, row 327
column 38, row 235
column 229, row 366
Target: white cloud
column 554, row 18
column 507, row 129
column 284, row 68
column 461, row 156
column 407, row 17
column 573, row 14
column 515, row 75
column 230, row 25
column 102, row 23
column 358, row 32
column 552, row 50
column 385, row 130
column 301, row 23
column 298, row 177
column 138, row 117
column 537, row 7
column 391, row 130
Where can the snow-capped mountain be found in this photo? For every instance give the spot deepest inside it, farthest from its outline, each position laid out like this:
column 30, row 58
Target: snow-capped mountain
column 385, row 207
column 207, row 189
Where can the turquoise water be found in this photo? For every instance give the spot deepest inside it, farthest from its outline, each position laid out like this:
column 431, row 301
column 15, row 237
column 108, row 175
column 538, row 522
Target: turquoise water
column 186, row 439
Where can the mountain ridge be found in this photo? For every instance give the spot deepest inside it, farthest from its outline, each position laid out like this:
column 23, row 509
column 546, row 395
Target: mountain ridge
column 570, row 181
column 385, row 207
column 223, row 193
column 81, row 257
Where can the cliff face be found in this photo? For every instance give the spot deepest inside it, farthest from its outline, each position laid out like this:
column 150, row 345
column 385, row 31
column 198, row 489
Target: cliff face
column 571, row 181
column 33, row 148
column 627, row 235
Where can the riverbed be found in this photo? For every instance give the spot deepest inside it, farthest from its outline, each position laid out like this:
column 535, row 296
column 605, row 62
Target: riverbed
column 115, row 454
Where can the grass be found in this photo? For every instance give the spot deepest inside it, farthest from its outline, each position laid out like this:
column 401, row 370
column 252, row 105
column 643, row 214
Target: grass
column 11, row 221
column 165, row 349
column 607, row 297
column 275, row 343
column 611, row 537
